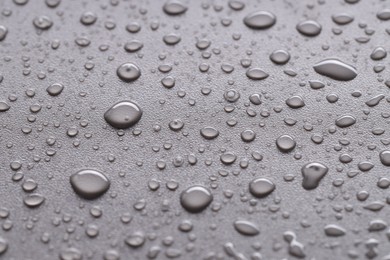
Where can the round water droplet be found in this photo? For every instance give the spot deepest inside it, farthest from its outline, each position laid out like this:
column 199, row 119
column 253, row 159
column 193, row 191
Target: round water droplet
column 248, row 136
column 261, row 187
column 228, row 158
column 3, row 32
column 295, row 102
column 34, row 200
column 383, row 14
column 195, row 199
column 172, row 39
column 231, row 95
column 285, row 143
column 128, row 72
column 209, row 132
column 384, row 157
column 89, row 184
column 335, row 69
column 260, row 20
column 88, row 18
column 309, row 28
column 4, row 106
column 42, row 22
column 378, row 53
column 123, row 114
column 55, row 89
column 280, row 57
column 174, row 7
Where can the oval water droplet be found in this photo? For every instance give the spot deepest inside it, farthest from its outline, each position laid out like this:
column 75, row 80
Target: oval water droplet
column 174, row 7
column 309, row 28
column 246, row 228
column 260, row 20
column 345, row 121
column 256, row 74
column 209, row 132
column 335, row 69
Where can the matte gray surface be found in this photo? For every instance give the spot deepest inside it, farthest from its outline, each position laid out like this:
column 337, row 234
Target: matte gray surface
column 45, row 138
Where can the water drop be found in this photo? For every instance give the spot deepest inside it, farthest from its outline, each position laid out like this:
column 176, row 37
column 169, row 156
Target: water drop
column 195, row 199
column 89, row 184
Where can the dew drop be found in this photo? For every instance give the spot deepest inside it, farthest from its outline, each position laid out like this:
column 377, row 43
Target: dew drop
column 195, row 199
column 345, row 121
column 256, row 74
column 312, row 174
column 335, row 69
column 174, row 7
column 89, row 184
column 209, row 133
column 128, row 72
column 261, row 187
column 246, row 228
column 260, row 20
column 309, row 28
column 285, row 143
column 123, row 114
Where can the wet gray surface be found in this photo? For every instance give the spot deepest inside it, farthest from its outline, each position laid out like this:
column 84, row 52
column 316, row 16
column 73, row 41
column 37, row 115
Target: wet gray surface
column 201, row 172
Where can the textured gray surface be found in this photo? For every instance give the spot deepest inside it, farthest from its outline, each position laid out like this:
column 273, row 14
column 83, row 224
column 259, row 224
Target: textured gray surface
column 129, row 157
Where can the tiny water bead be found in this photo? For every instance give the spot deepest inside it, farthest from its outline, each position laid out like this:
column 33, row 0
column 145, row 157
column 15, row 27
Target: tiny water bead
column 195, row 199
column 128, row 72
column 123, row 114
column 89, row 184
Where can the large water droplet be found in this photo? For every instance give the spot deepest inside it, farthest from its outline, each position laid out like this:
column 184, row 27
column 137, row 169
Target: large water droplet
column 123, row 114
column 195, row 199
column 89, row 184
column 312, row 174
column 260, row 20
column 128, row 72
column 174, row 7
column 246, row 228
column 335, row 69
column 309, row 28
column 261, row 187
